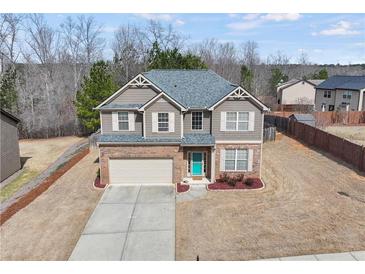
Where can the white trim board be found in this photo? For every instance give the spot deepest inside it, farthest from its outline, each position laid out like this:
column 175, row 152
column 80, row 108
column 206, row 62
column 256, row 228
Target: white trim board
column 238, row 142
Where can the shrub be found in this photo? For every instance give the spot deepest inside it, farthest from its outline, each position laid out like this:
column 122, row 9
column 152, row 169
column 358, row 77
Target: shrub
column 249, row 181
column 231, row 181
column 224, row 177
column 240, row 177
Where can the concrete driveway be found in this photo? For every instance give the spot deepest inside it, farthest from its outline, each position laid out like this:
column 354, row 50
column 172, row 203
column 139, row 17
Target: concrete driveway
column 130, row 223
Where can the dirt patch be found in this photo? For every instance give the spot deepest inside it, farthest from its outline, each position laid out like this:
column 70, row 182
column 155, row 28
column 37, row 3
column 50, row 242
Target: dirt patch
column 49, row 227
column 36, row 156
column 298, row 212
column 355, row 134
column 34, row 193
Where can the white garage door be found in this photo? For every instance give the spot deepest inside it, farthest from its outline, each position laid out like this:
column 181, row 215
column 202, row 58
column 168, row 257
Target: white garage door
column 140, row 171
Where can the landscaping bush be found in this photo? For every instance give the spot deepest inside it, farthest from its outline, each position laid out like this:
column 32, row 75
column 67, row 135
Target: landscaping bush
column 232, row 181
column 224, row 177
column 240, row 177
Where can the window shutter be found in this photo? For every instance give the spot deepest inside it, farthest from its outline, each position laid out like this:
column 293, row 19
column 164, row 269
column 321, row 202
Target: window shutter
column 223, row 160
column 154, row 121
column 115, row 125
column 131, row 121
column 171, row 122
column 223, row 121
column 250, row 159
column 251, row 121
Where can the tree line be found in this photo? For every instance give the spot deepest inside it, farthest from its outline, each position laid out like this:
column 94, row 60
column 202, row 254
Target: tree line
column 52, row 77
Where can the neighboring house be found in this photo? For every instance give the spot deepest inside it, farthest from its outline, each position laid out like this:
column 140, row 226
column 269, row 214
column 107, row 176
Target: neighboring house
column 344, row 93
column 10, row 160
column 168, row 126
column 297, row 92
column 303, row 118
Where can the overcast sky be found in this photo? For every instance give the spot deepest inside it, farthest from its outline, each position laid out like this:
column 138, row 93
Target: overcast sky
column 326, row 38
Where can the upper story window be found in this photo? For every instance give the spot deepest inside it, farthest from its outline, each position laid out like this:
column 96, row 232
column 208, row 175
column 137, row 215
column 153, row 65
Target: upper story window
column 327, row 94
column 163, row 121
column 197, row 120
column 123, row 121
column 347, row 94
column 236, row 159
column 237, row 121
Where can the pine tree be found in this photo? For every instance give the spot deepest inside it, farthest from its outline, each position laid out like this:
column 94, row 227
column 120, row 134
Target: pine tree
column 95, row 88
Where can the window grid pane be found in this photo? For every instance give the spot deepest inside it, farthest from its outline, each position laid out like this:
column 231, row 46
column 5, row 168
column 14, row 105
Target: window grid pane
column 242, row 165
column 243, row 116
column 123, row 122
column 231, row 116
column 197, row 120
column 230, row 154
column 163, row 121
column 242, row 125
column 229, row 165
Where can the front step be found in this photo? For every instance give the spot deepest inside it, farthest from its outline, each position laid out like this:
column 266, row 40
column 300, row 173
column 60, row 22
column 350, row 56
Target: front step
column 189, row 181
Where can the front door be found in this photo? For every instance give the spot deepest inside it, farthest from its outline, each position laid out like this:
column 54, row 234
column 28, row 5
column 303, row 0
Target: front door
column 197, row 163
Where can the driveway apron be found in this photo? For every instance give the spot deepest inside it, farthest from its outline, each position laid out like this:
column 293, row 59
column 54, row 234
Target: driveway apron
column 130, row 223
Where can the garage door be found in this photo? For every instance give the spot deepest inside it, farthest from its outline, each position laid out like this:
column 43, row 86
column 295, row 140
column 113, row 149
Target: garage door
column 140, row 171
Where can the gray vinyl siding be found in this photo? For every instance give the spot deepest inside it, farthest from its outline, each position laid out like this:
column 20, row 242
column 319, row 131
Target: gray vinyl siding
column 236, row 105
column 206, row 123
column 162, row 107
column 107, row 124
column 134, row 96
column 10, row 160
column 354, row 102
column 321, row 99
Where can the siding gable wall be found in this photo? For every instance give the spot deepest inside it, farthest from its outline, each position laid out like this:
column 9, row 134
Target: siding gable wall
column 134, row 96
column 236, row 105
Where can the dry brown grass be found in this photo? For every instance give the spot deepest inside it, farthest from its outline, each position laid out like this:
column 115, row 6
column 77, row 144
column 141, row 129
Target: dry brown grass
column 355, row 134
column 299, row 212
column 49, row 227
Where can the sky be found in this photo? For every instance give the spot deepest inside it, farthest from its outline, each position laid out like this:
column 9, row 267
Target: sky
column 325, row 38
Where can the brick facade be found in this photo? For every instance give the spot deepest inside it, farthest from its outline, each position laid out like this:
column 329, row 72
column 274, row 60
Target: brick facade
column 135, row 151
column 256, row 159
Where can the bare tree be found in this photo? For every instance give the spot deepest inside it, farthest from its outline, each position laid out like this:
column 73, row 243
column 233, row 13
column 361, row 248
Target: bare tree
column 279, row 58
column 250, row 54
column 166, row 37
column 9, row 28
column 89, row 31
column 130, row 50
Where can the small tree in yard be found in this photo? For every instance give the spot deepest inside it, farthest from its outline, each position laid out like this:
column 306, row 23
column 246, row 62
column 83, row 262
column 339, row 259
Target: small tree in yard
column 277, row 76
column 96, row 87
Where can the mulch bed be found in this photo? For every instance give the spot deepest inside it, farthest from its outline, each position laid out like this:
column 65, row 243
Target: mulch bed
column 251, row 183
column 180, row 188
column 98, row 183
column 34, row 193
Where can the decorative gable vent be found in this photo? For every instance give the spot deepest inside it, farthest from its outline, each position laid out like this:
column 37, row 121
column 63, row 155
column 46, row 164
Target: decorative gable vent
column 139, row 82
column 238, row 94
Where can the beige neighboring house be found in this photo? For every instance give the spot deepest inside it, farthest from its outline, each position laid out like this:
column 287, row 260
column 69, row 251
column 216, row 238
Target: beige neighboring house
column 341, row 92
column 171, row 126
column 10, row 159
column 297, row 92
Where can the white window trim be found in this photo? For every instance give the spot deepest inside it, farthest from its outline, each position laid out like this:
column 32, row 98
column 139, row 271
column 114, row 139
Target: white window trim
column 168, row 121
column 237, row 121
column 236, row 159
column 123, row 121
column 202, row 121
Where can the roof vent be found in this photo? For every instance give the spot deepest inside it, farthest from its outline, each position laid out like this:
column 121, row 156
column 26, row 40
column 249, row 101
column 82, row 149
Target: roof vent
column 175, row 86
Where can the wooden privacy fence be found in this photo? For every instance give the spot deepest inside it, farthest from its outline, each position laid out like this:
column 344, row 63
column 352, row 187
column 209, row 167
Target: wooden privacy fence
column 328, row 118
column 349, row 152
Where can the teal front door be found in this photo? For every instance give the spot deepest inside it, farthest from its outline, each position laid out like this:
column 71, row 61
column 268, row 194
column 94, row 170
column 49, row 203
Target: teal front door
column 197, row 164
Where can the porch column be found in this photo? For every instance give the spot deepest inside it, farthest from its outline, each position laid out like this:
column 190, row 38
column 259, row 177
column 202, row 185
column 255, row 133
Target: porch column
column 212, row 164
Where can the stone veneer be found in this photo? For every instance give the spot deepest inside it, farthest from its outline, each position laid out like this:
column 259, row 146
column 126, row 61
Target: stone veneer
column 256, row 159
column 174, row 152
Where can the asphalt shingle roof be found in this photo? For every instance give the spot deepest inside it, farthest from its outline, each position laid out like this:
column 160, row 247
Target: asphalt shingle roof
column 343, row 82
column 198, row 139
column 192, row 88
column 121, row 106
column 116, row 138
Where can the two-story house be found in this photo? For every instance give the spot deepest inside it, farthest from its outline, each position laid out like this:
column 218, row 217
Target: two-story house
column 340, row 92
column 169, row 126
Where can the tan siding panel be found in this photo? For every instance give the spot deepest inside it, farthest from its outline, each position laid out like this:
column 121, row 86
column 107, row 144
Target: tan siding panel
column 106, row 117
column 135, row 96
column 237, row 105
column 206, row 123
column 162, row 107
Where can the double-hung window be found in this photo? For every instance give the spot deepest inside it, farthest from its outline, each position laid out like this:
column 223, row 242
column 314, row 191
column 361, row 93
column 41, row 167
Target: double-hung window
column 347, row 94
column 236, row 159
column 123, row 121
column 237, row 121
column 163, row 121
column 197, row 120
column 327, row 94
